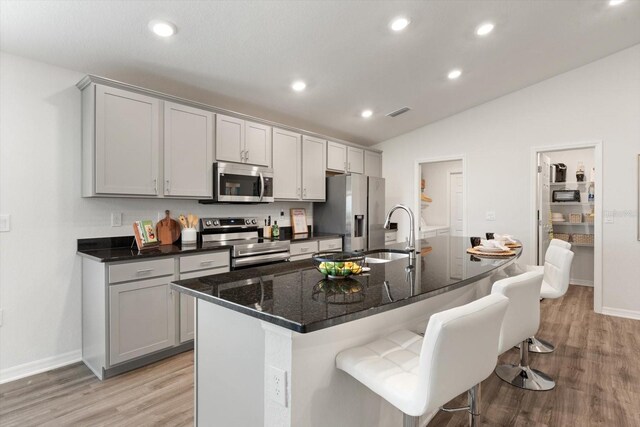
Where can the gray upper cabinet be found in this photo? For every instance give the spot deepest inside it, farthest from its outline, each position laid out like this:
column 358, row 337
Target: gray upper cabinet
column 127, row 143
column 188, row 151
column 314, row 163
column 287, row 165
column 373, row 163
column 241, row 141
column 344, row 158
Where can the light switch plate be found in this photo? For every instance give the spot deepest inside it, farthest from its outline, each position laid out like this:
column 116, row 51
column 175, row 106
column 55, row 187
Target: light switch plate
column 5, row 223
column 491, row 215
column 609, row 217
column 116, row 219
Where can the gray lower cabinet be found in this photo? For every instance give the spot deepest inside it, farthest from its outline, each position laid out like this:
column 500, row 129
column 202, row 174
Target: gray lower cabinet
column 131, row 317
column 142, row 318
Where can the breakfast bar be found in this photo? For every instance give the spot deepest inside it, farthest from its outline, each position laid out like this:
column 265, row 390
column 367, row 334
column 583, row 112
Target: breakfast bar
column 267, row 337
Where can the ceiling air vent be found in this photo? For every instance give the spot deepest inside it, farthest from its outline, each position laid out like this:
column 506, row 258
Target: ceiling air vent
column 398, row 112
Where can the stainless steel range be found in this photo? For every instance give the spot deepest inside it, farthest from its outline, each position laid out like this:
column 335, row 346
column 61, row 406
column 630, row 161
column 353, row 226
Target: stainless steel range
column 248, row 248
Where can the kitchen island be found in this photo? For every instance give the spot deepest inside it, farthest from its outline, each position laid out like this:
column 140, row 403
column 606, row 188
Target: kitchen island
column 267, row 337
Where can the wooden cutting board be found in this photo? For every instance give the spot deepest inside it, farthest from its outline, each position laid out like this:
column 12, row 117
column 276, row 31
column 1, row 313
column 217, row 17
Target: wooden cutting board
column 168, row 230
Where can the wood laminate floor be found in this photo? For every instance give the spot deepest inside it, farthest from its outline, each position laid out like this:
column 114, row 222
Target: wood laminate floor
column 596, row 367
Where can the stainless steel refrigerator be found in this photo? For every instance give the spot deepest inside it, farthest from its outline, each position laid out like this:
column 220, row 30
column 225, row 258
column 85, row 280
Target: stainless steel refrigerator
column 355, row 209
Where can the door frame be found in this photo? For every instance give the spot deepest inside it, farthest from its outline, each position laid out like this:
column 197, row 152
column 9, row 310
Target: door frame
column 450, row 174
column 416, row 188
column 597, row 245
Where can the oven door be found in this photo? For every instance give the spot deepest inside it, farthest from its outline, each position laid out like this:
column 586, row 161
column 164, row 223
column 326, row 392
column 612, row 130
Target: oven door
column 242, row 183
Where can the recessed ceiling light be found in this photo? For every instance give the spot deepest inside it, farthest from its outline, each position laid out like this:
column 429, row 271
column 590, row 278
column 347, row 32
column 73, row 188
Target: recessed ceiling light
column 484, row 29
column 399, row 24
column 615, row 2
column 454, row 74
column 366, row 114
column 298, row 86
column 162, row 28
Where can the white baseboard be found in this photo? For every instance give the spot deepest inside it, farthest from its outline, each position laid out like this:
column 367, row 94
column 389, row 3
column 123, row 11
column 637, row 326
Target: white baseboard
column 38, row 366
column 582, row 282
column 620, row 312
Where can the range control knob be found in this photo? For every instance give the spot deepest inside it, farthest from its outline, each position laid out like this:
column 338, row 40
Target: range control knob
column 247, row 221
column 216, row 222
column 208, row 223
column 253, row 221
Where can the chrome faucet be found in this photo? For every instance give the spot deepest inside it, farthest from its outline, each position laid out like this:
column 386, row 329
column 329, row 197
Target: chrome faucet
column 412, row 232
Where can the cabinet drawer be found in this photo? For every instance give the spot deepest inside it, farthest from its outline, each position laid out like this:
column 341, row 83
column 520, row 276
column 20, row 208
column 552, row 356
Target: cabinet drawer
column 330, row 245
column 304, row 248
column 207, row 260
column 140, row 270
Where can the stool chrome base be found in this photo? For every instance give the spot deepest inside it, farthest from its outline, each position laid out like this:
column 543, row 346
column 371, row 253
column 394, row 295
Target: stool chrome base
column 522, row 375
column 525, row 377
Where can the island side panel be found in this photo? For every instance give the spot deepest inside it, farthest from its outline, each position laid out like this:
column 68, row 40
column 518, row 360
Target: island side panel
column 230, row 367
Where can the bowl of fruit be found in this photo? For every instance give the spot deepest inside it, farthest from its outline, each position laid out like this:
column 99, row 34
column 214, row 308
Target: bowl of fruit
column 338, row 265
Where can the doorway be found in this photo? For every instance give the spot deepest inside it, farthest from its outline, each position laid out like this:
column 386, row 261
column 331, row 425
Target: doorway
column 441, row 199
column 568, row 207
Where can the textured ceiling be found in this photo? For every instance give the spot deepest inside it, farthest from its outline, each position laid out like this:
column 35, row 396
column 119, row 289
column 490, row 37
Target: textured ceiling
column 243, row 55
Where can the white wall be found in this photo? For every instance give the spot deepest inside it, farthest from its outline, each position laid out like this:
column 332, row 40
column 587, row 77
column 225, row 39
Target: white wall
column 436, row 176
column 40, row 189
column 600, row 101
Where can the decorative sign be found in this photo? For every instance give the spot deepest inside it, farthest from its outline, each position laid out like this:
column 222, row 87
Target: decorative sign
column 299, row 221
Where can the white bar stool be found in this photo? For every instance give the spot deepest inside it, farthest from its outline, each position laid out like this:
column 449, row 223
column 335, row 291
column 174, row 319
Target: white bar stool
column 521, row 322
column 557, row 274
column 418, row 375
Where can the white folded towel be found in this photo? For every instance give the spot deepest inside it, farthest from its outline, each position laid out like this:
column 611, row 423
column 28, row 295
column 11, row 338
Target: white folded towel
column 504, row 238
column 493, row 243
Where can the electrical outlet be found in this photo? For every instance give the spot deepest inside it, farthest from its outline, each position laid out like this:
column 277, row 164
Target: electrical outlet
column 116, row 219
column 5, row 223
column 278, row 385
column 491, row 216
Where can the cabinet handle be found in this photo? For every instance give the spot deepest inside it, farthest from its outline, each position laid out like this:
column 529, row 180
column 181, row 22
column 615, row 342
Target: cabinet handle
column 246, row 156
column 305, row 193
column 345, row 166
column 145, row 271
column 166, row 190
column 304, row 249
column 241, row 155
column 298, row 192
column 349, row 165
column 155, row 185
column 206, row 262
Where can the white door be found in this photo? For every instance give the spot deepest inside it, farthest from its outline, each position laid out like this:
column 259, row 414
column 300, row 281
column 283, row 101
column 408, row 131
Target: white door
column 127, row 142
column 372, row 164
column 257, row 144
column 313, row 168
column 141, row 318
column 287, row 156
column 456, row 205
column 188, row 151
column 336, row 157
column 545, row 229
column 355, row 160
column 229, row 138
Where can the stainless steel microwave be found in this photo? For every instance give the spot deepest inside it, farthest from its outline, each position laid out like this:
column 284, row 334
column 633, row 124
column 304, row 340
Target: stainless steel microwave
column 240, row 183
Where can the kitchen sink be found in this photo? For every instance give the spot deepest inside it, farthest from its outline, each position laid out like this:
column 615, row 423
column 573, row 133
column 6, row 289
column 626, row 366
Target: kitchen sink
column 384, row 256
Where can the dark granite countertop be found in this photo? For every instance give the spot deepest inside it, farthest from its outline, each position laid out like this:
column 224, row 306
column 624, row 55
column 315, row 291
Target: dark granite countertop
column 295, row 296
column 111, row 249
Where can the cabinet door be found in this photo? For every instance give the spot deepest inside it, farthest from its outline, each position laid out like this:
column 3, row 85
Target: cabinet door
column 313, row 168
column 355, row 160
column 229, row 138
column 127, row 142
column 336, row 157
column 286, row 165
column 141, row 318
column 373, row 164
column 188, row 151
column 187, row 302
column 257, row 144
